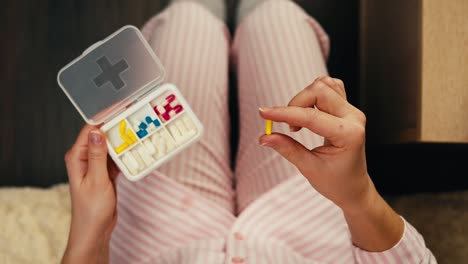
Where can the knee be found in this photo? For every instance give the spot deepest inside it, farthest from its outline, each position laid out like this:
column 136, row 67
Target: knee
column 273, row 13
column 190, row 12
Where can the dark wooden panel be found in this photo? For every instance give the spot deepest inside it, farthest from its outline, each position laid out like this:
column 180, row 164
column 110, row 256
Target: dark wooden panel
column 340, row 19
column 39, row 123
column 412, row 168
column 391, row 69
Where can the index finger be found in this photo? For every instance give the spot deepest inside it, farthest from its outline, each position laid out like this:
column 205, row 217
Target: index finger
column 321, row 123
column 323, row 96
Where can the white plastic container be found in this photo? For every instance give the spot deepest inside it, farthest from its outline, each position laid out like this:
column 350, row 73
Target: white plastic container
column 118, row 82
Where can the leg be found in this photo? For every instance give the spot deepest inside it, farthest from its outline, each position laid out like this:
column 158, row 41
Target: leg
column 193, row 46
column 153, row 214
column 278, row 50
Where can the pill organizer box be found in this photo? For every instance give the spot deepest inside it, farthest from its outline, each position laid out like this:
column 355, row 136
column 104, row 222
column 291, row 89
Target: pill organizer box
column 119, row 82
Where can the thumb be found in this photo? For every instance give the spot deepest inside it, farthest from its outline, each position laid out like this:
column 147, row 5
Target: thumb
column 289, row 148
column 97, row 156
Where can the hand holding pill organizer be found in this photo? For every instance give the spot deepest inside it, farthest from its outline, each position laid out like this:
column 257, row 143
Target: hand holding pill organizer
column 118, row 82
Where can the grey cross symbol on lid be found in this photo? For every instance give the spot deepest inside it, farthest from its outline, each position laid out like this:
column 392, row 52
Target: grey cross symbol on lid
column 111, row 73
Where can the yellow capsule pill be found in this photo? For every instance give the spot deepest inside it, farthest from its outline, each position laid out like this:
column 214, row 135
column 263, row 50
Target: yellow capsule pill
column 126, row 134
column 131, row 135
column 268, row 127
column 121, row 148
column 122, row 127
column 123, row 134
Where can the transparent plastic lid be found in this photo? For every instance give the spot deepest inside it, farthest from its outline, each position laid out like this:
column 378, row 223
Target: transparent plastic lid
column 111, row 74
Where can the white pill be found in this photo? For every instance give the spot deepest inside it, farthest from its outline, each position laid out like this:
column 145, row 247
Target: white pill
column 170, row 144
column 130, row 163
column 182, row 127
column 175, row 132
column 162, row 148
column 191, row 130
column 184, row 131
column 188, row 122
column 151, row 127
column 149, row 147
column 137, row 157
column 147, row 159
column 159, row 145
column 155, row 139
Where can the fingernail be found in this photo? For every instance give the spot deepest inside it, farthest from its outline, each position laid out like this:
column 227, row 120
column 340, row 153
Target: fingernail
column 264, row 109
column 95, row 137
column 265, row 144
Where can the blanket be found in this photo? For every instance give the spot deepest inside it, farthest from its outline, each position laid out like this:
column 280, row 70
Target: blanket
column 34, row 224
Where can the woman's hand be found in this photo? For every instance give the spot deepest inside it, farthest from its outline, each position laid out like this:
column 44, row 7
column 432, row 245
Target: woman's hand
column 91, row 176
column 338, row 169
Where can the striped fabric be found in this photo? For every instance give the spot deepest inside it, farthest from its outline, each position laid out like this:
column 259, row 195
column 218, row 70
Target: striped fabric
column 195, row 209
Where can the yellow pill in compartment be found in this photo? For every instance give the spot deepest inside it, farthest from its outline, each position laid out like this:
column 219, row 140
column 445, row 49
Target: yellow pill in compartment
column 122, row 127
column 268, row 127
column 124, row 132
column 121, row 148
column 131, row 136
column 127, row 136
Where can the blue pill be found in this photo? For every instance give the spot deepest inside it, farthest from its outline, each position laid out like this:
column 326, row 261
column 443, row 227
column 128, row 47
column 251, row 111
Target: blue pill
column 143, row 126
column 156, row 122
column 142, row 133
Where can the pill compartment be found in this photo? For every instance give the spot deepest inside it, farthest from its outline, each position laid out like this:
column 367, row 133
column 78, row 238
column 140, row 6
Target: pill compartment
column 135, row 159
column 159, row 144
column 144, row 121
column 167, row 106
column 118, row 83
column 182, row 128
column 121, row 137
